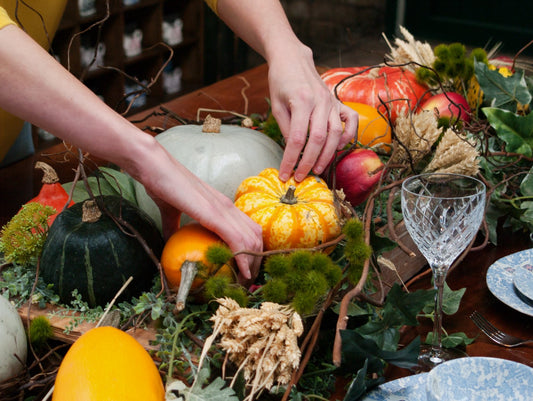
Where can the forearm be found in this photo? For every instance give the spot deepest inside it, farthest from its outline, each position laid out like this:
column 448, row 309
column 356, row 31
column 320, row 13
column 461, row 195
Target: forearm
column 50, row 98
column 263, row 25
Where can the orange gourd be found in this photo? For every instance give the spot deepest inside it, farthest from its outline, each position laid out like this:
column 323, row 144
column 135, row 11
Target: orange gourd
column 292, row 214
column 190, row 243
column 374, row 129
column 107, row 364
column 51, row 193
column 388, row 89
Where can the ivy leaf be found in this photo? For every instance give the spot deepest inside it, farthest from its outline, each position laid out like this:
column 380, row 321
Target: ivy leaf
column 451, row 300
column 502, row 92
column 406, row 305
column 357, row 386
column 453, row 340
column 359, row 351
column 527, row 216
column 516, row 131
column 526, row 186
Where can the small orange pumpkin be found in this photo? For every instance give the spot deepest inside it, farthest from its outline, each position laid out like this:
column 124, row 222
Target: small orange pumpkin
column 292, row 214
column 190, row 243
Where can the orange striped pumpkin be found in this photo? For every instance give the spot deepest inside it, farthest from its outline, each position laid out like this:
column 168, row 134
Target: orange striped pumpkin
column 292, row 214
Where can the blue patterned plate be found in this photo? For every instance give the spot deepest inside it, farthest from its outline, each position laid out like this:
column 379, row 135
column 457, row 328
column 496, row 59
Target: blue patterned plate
column 500, row 280
column 523, row 281
column 480, row 378
column 409, row 388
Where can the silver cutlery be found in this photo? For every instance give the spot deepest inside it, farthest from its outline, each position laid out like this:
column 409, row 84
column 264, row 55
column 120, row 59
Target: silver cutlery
column 495, row 334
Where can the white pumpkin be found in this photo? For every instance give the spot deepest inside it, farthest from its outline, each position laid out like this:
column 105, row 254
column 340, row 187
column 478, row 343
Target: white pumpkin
column 222, row 159
column 13, row 343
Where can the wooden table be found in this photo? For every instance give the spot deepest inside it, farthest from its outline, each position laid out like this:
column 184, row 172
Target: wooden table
column 247, row 93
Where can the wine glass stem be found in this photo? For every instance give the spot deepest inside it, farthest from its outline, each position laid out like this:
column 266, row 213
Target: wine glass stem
column 439, row 277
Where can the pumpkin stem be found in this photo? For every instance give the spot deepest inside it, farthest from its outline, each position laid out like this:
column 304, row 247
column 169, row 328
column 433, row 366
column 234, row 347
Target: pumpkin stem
column 188, row 273
column 91, row 212
column 289, row 197
column 50, row 175
column 211, row 124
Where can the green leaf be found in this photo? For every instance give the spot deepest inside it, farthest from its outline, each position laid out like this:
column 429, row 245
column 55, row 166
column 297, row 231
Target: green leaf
column 214, row 391
column 516, row 131
column 502, row 92
column 359, row 350
column 407, row 305
column 526, row 186
column 527, row 216
column 358, row 385
column 453, row 340
column 451, row 300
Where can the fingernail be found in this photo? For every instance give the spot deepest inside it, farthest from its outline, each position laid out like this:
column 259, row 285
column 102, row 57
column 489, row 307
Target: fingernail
column 284, row 177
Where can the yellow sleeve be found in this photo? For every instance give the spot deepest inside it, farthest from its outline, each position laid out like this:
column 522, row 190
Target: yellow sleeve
column 4, row 18
column 212, row 5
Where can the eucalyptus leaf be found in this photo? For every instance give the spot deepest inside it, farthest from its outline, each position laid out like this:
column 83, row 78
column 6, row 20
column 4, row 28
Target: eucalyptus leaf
column 515, row 130
column 502, row 92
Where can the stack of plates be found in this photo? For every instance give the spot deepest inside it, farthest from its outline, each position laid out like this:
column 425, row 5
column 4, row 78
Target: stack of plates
column 471, row 378
column 510, row 279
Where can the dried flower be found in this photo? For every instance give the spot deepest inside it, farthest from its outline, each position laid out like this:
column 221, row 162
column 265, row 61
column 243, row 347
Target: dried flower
column 416, row 134
column 454, row 154
column 262, row 342
column 410, row 50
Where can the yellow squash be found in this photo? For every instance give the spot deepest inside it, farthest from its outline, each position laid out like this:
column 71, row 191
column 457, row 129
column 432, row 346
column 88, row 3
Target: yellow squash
column 107, row 364
column 292, row 214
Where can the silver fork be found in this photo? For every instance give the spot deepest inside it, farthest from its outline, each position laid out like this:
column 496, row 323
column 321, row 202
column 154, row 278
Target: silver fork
column 495, row 334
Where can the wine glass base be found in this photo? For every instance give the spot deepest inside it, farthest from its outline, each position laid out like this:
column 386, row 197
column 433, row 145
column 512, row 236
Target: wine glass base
column 429, row 358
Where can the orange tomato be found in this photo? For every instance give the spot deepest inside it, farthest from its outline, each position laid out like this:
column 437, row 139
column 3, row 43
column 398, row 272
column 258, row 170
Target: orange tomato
column 374, row 130
column 105, row 364
column 190, row 243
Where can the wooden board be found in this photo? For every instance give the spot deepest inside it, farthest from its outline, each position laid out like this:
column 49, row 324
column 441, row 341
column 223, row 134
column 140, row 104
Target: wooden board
column 62, row 330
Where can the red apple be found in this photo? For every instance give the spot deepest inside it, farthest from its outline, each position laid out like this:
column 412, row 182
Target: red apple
column 357, row 174
column 450, row 107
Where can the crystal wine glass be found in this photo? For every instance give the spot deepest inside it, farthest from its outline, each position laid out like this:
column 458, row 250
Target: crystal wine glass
column 442, row 213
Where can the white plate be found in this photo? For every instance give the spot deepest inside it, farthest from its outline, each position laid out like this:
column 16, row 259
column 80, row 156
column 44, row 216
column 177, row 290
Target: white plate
column 409, row 388
column 480, row 378
column 523, row 281
column 500, row 280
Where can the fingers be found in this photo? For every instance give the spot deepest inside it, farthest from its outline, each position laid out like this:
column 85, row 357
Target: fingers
column 314, row 135
column 239, row 232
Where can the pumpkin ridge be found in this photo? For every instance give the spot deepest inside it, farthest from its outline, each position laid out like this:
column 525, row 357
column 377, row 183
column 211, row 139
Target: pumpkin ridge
column 64, row 258
column 88, row 273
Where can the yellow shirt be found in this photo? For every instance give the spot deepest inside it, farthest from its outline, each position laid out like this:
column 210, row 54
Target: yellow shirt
column 212, row 5
column 51, row 12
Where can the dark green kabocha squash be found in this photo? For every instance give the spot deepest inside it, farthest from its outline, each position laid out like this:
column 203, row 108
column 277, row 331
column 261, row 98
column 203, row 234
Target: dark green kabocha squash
column 87, row 250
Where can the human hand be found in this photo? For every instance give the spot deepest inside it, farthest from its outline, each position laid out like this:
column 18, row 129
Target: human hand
column 248, row 264
column 313, row 122
column 207, row 206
